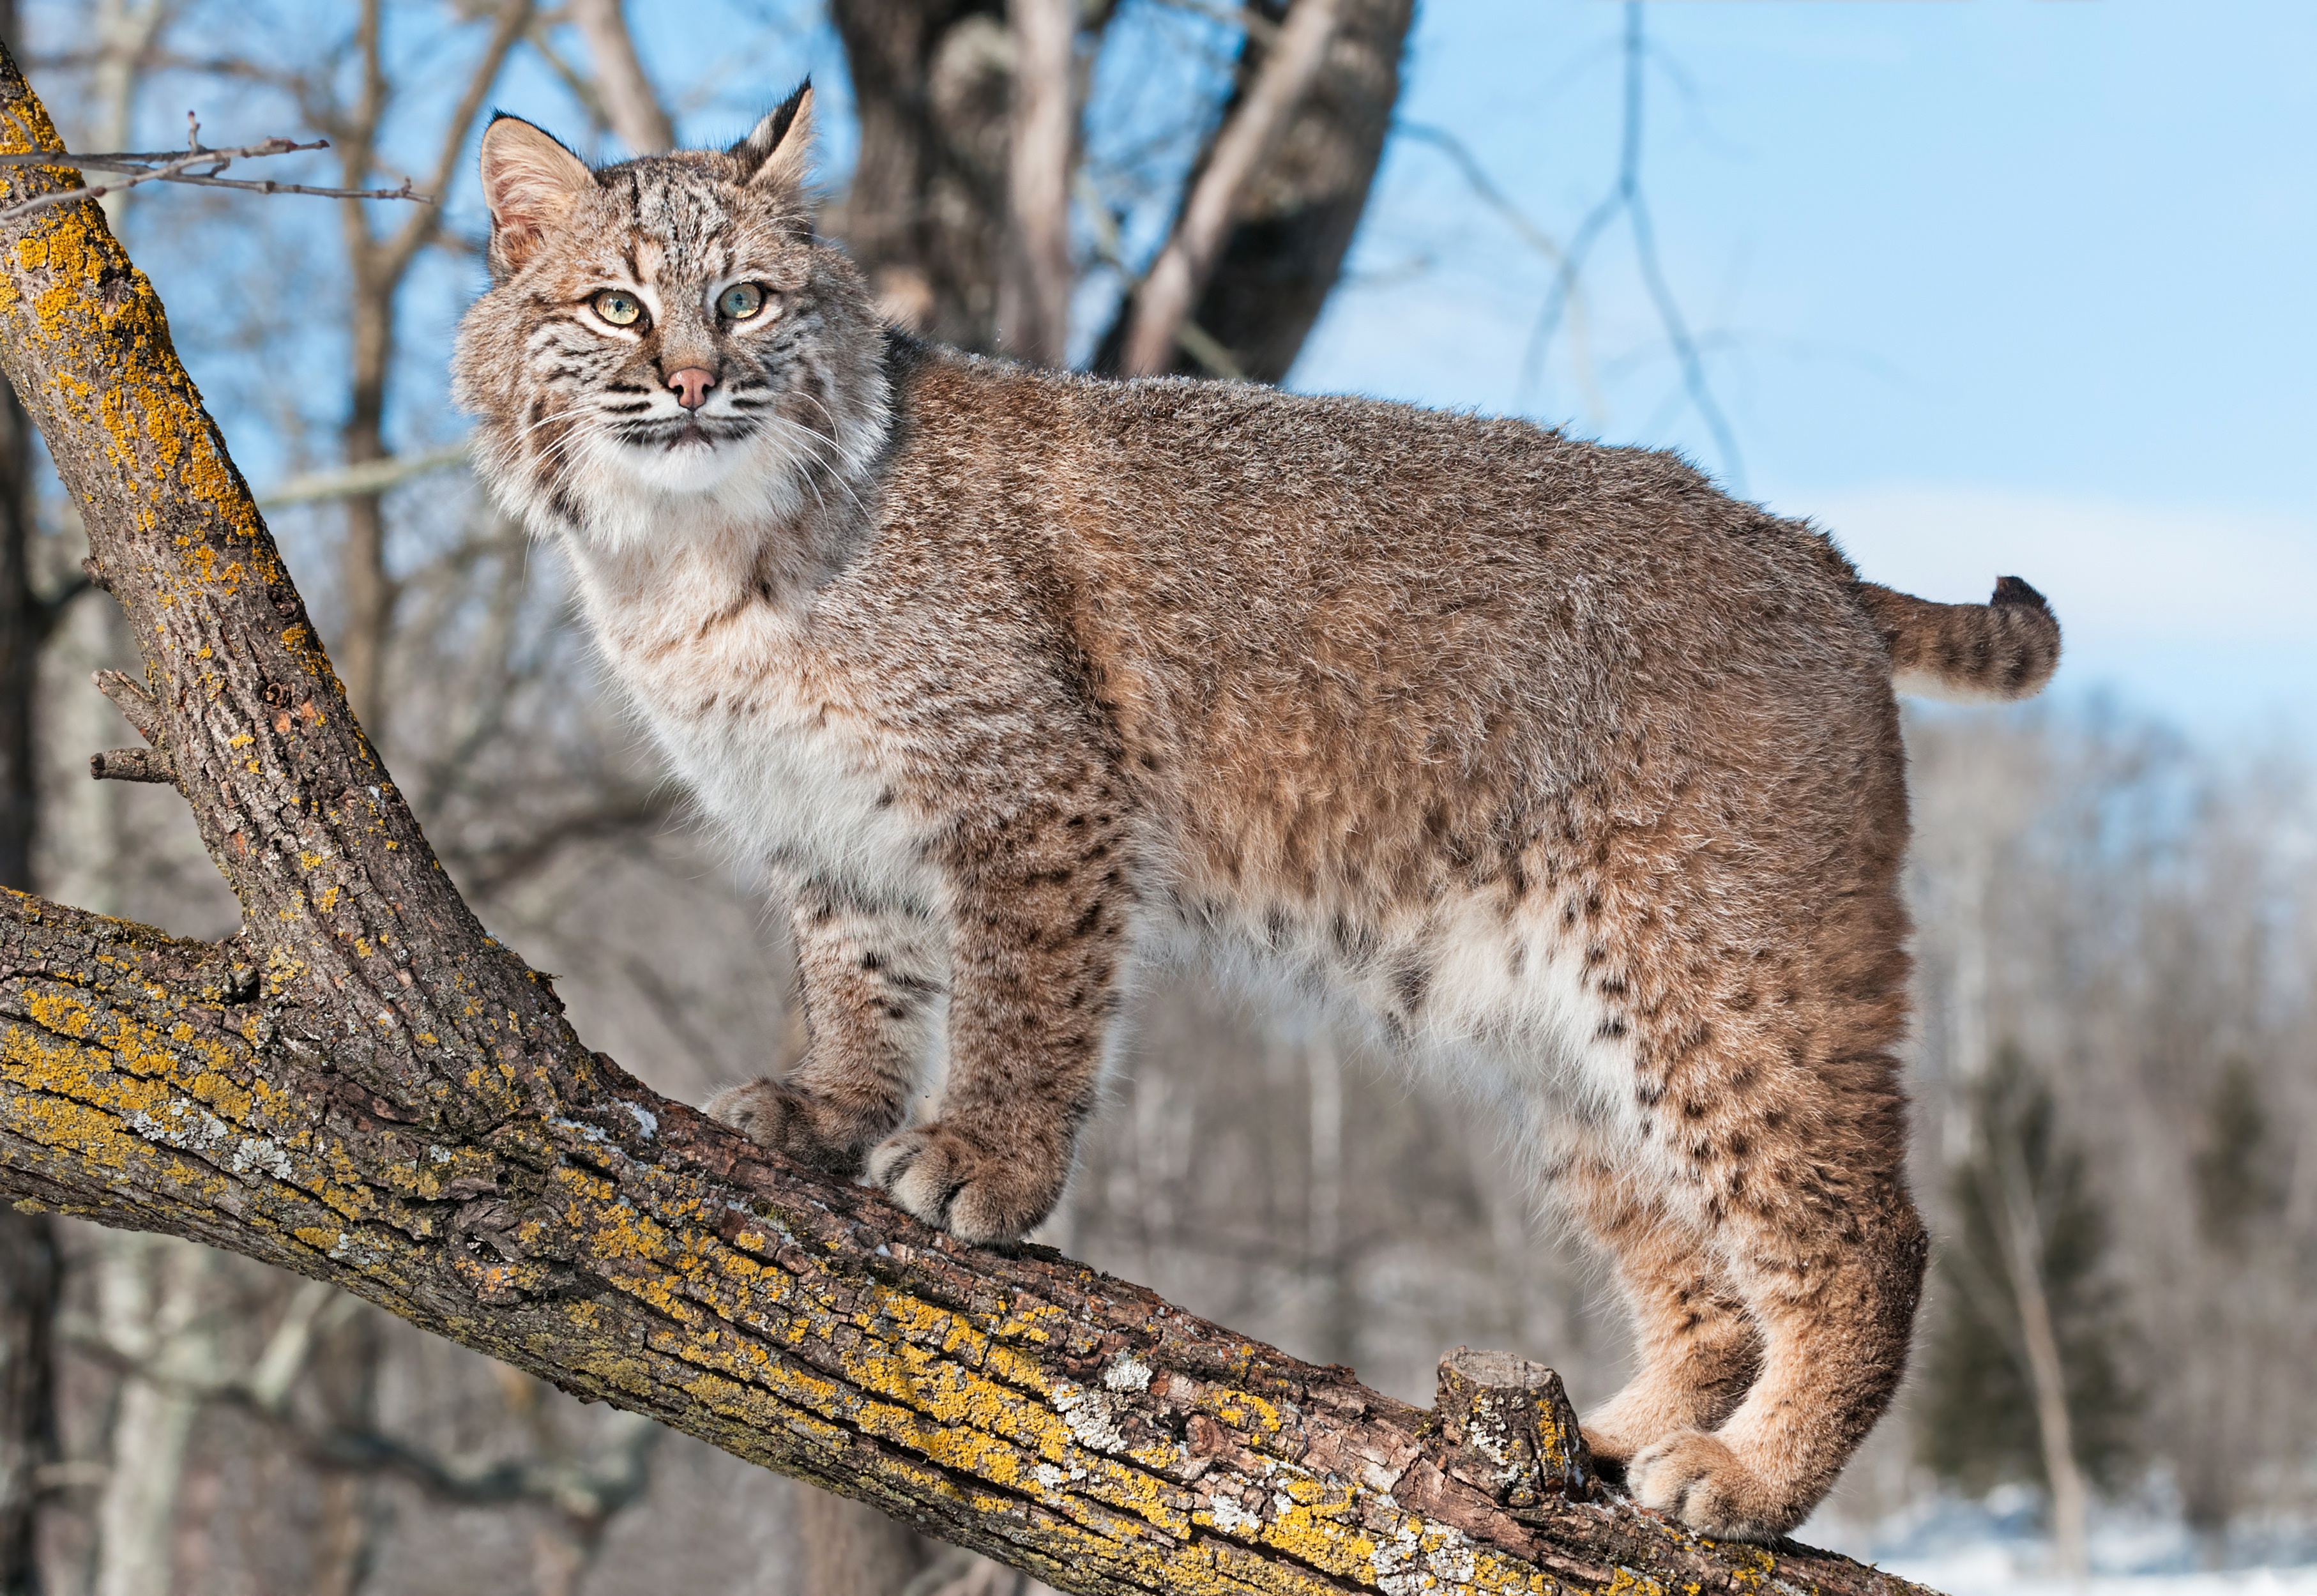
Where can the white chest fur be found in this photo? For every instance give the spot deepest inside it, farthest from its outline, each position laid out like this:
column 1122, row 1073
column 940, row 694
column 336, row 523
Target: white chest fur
column 744, row 705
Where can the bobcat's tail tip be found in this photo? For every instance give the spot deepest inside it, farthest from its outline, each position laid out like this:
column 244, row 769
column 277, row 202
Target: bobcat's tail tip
column 1968, row 654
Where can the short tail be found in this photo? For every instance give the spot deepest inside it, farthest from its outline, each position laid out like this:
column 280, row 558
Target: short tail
column 1968, row 653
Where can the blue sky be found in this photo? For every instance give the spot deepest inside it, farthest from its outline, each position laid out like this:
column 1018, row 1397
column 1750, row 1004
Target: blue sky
column 2002, row 285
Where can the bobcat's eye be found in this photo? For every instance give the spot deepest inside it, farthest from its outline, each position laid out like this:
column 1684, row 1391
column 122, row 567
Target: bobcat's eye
column 742, row 300
column 618, row 307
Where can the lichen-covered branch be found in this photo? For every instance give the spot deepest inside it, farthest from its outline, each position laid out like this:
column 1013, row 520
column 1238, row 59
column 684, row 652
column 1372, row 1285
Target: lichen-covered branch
column 364, row 1086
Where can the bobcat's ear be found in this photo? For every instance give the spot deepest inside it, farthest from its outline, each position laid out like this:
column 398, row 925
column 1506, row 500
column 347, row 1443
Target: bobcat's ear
column 778, row 153
column 529, row 182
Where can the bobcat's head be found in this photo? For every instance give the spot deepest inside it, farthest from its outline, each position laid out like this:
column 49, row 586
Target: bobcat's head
column 665, row 344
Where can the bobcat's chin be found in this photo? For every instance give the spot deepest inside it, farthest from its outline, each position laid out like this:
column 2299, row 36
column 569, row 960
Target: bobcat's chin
column 686, row 463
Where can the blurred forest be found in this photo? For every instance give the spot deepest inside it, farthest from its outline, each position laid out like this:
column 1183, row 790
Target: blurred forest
column 2117, row 1130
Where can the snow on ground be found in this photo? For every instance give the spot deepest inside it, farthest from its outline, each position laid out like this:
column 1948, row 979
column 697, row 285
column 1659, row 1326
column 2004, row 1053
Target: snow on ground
column 1996, row 1548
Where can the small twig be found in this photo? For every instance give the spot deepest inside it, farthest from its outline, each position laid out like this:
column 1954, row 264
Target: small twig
column 1246, row 18
column 1625, row 198
column 137, row 706
column 1476, row 177
column 134, row 765
column 180, row 166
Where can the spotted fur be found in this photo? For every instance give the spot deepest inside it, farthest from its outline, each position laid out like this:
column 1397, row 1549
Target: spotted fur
column 1575, row 781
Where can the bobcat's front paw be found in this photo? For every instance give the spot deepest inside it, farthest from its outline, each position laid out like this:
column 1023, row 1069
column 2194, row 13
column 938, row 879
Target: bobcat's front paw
column 804, row 1129
column 950, row 1179
column 1694, row 1478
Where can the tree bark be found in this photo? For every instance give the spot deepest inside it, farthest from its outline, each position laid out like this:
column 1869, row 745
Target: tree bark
column 365, row 1087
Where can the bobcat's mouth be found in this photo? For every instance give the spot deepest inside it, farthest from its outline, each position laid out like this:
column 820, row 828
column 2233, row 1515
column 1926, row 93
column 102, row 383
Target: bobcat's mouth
column 671, row 434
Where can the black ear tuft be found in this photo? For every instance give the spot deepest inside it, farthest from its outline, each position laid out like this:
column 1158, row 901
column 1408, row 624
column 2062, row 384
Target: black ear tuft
column 774, row 133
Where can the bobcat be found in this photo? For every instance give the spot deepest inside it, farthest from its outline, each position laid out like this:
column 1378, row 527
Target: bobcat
column 1575, row 780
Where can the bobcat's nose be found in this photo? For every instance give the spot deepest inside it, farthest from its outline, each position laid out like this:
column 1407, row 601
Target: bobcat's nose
column 691, row 385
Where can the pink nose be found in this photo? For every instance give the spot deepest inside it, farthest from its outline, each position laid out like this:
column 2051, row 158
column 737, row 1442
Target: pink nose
column 691, row 385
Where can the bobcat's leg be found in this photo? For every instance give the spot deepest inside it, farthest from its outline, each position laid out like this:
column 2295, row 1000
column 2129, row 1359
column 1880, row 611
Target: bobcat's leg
column 873, row 980
column 1038, row 910
column 1699, row 1350
column 1835, row 1294
column 1790, row 1140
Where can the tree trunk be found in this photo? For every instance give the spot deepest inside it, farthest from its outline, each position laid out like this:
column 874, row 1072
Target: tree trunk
column 364, row 1086
column 28, row 1271
column 926, row 215
column 28, row 1250
column 853, row 1550
column 150, row 1315
column 629, row 99
column 2023, row 1255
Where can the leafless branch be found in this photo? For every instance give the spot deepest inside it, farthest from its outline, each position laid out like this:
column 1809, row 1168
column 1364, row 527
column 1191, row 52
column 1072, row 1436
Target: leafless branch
column 179, row 167
column 1625, row 198
column 134, row 765
column 630, row 102
column 514, row 18
column 137, row 706
column 1246, row 18
column 1486, row 190
column 371, row 476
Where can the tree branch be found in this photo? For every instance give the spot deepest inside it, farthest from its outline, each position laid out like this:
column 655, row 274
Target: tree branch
column 1176, row 277
column 514, row 18
column 630, row 102
column 1034, row 288
column 365, row 1087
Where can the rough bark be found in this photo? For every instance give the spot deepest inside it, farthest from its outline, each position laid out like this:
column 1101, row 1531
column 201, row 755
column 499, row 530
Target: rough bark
column 1297, row 212
column 364, row 1087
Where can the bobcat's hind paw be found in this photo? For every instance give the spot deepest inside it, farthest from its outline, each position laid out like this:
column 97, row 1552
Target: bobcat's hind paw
column 804, row 1129
column 952, row 1182
column 1694, row 1479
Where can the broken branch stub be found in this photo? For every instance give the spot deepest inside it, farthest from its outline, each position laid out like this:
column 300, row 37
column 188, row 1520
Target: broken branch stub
column 1505, row 1426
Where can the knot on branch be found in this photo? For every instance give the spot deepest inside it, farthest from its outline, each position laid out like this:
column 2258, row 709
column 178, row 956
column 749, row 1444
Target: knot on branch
column 1504, row 1425
column 137, row 707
